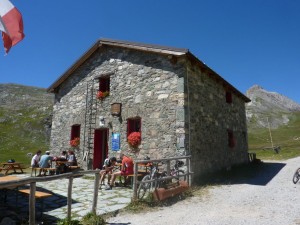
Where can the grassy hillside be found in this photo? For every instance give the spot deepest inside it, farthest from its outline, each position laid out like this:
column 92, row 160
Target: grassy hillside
column 287, row 137
column 25, row 120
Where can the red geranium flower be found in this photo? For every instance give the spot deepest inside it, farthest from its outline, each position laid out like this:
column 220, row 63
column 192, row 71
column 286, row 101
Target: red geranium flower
column 75, row 142
column 134, row 139
column 102, row 94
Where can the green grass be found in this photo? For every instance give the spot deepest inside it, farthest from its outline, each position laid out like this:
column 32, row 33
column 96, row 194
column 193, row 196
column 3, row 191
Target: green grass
column 22, row 133
column 287, row 137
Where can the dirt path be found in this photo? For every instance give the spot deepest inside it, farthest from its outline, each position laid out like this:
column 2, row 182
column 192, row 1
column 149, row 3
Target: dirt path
column 268, row 198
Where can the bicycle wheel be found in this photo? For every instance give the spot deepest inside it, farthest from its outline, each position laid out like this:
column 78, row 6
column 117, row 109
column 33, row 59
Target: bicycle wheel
column 144, row 187
column 296, row 176
column 178, row 176
column 163, row 183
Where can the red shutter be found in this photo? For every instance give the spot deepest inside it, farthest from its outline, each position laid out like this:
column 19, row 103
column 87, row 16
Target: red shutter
column 129, row 126
column 107, row 83
column 231, row 140
column 101, row 85
column 75, row 131
column 104, row 84
column 228, row 97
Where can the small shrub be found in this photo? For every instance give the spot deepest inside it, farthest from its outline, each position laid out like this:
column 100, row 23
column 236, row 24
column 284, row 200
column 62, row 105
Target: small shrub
column 92, row 219
column 68, row 222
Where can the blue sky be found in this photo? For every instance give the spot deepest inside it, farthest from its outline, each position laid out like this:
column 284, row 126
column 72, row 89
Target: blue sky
column 246, row 42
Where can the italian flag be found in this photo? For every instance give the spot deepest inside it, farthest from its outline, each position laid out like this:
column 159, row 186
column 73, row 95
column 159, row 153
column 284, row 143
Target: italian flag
column 11, row 24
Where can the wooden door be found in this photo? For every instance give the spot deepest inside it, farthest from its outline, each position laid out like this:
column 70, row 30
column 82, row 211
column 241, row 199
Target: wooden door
column 100, row 147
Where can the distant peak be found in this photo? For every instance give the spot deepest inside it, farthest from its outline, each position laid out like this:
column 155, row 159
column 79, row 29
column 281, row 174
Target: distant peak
column 256, row 87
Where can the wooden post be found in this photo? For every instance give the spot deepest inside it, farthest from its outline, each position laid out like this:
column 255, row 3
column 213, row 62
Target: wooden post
column 96, row 190
column 168, row 168
column 270, row 133
column 135, row 181
column 69, row 200
column 189, row 180
column 32, row 203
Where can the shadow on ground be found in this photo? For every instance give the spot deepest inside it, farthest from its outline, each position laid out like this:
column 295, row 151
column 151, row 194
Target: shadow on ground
column 16, row 206
column 253, row 173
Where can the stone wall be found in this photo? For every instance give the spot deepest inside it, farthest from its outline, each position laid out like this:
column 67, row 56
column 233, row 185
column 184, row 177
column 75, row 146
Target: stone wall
column 210, row 116
column 183, row 110
column 147, row 86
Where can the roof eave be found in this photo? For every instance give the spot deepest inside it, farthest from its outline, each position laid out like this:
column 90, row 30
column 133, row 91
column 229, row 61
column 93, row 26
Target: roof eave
column 218, row 77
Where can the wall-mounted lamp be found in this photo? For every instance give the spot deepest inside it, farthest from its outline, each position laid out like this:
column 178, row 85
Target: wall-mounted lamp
column 101, row 121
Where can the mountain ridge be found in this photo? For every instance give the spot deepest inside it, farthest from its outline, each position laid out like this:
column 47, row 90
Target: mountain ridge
column 268, row 108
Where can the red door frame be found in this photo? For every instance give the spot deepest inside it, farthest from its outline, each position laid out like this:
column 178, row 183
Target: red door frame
column 100, row 147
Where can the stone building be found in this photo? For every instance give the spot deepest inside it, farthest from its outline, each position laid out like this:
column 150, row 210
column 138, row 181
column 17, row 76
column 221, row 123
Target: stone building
column 178, row 105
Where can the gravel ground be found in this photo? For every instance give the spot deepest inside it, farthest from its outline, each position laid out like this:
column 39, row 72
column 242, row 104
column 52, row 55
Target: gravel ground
column 269, row 198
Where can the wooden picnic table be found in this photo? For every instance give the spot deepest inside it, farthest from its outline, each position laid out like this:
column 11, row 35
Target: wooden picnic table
column 11, row 167
column 8, row 178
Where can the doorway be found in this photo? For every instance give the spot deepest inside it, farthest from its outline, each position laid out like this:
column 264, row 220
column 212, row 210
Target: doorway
column 100, row 147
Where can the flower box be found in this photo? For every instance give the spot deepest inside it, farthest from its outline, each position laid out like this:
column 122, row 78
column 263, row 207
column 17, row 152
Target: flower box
column 102, row 94
column 75, row 142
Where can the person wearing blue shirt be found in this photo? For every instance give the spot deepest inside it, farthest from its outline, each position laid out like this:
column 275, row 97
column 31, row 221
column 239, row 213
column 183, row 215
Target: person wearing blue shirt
column 45, row 161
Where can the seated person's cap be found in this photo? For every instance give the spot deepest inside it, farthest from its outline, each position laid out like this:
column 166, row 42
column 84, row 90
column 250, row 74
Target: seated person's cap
column 47, row 152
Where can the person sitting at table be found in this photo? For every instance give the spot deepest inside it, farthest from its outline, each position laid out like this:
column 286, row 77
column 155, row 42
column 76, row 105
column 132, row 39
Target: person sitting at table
column 72, row 161
column 63, row 156
column 108, row 166
column 126, row 169
column 36, row 159
column 45, row 161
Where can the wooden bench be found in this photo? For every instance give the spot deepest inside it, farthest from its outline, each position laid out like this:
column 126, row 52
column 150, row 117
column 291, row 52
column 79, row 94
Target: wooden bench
column 74, row 167
column 49, row 170
column 130, row 177
column 38, row 195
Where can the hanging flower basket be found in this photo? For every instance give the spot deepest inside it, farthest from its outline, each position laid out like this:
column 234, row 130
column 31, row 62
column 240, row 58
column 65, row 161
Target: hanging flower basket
column 134, row 139
column 102, row 94
column 75, row 142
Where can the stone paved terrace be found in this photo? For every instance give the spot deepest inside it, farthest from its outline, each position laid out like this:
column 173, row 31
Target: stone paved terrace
column 55, row 207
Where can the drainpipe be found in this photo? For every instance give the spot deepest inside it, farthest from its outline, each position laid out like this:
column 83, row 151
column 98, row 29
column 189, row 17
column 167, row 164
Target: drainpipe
column 188, row 110
column 189, row 164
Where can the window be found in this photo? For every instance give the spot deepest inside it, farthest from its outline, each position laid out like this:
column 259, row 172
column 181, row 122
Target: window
column 228, row 97
column 133, row 125
column 231, row 139
column 104, row 83
column 75, row 131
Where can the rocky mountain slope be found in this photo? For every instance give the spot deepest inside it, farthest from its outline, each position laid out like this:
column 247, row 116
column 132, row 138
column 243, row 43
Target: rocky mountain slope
column 268, row 108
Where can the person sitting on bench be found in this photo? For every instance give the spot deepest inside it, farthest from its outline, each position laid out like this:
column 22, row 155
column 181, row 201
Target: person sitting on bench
column 72, row 161
column 36, row 159
column 108, row 166
column 126, row 169
column 45, row 161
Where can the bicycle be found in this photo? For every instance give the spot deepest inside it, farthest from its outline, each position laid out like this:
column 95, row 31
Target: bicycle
column 177, row 173
column 147, row 183
column 296, row 176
